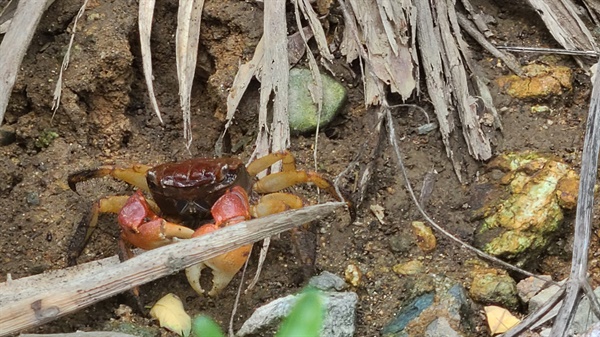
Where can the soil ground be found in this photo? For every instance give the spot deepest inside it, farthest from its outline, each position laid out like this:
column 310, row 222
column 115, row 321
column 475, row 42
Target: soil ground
column 105, row 117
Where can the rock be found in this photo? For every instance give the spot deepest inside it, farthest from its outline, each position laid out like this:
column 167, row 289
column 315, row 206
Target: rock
column 529, row 287
column 353, row 275
column 440, row 328
column 340, row 312
column 327, row 281
column 401, row 243
column 539, row 81
column 8, row 135
column 527, row 213
column 409, row 268
column 436, row 313
column 541, row 297
column 425, row 238
column 408, row 313
column 131, row 329
column 302, row 110
column 492, row 286
column 33, row 199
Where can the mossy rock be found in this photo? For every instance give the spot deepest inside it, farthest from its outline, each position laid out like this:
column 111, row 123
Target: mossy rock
column 302, row 110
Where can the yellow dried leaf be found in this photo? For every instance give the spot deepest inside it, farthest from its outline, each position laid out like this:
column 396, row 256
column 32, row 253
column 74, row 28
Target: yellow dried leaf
column 499, row 319
column 170, row 314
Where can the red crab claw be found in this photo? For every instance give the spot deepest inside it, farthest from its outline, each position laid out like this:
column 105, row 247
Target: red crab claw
column 142, row 228
column 231, row 208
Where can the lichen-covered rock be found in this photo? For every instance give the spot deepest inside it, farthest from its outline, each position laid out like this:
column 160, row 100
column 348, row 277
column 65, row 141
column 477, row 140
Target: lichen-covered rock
column 539, row 81
column 521, row 222
column 492, row 286
column 302, row 109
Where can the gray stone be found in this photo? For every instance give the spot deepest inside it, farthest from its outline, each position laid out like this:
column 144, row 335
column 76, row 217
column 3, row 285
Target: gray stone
column 327, row 281
column 530, row 286
column 441, row 328
column 340, row 312
column 301, row 108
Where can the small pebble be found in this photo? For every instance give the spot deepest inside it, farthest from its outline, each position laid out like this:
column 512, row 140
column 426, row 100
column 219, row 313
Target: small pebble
column 32, row 199
column 353, row 275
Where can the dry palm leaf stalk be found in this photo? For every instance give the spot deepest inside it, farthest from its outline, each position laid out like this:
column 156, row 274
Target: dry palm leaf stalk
column 145, row 15
column 38, row 299
column 187, row 38
column 273, row 78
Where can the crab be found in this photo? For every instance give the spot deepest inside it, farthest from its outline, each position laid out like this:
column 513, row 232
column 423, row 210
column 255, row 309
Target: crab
column 188, row 192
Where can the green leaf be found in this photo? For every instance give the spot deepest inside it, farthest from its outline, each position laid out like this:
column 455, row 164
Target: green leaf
column 204, row 326
column 306, row 318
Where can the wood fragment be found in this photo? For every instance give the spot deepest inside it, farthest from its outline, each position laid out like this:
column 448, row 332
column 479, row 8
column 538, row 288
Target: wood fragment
column 80, row 334
column 578, row 281
column 510, row 61
column 48, row 298
column 383, row 29
column 431, row 51
column 477, row 19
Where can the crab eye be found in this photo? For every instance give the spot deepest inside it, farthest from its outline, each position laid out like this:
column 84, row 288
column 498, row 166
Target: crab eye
column 227, row 175
column 151, row 179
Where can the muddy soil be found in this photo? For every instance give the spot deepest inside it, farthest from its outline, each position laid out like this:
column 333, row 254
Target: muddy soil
column 106, row 117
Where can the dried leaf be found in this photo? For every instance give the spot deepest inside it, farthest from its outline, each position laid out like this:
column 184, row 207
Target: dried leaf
column 170, row 314
column 187, row 39
column 145, row 14
column 379, row 213
column 499, row 319
column 383, row 28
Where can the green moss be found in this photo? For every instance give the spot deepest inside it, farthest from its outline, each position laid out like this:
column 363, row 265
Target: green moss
column 45, row 139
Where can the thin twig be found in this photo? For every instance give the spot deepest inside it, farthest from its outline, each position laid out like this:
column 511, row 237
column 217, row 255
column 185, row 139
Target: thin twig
column 556, row 51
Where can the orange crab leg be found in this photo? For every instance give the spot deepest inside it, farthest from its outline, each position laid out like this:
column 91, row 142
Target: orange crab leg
column 278, row 181
column 134, row 175
column 288, row 162
column 276, row 203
